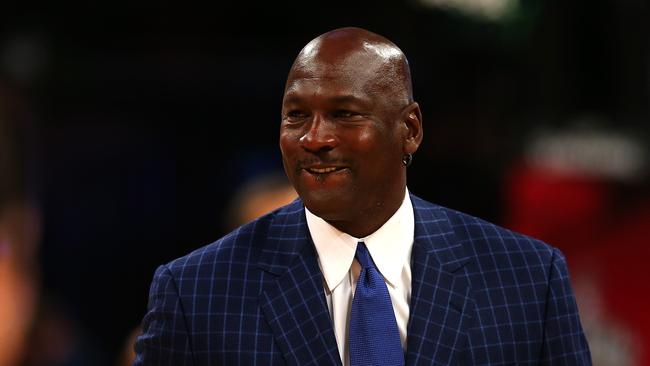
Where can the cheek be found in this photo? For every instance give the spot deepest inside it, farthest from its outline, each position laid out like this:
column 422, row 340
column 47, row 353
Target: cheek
column 288, row 143
column 368, row 140
column 289, row 146
column 376, row 141
column 381, row 154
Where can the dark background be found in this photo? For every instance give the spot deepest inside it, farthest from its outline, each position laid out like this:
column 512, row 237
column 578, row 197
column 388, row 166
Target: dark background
column 148, row 117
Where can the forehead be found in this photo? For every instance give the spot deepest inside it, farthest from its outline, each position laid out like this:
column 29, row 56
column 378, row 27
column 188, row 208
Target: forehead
column 334, row 89
column 333, row 79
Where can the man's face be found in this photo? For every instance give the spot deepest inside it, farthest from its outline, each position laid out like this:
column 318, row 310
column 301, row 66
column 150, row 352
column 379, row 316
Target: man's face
column 340, row 139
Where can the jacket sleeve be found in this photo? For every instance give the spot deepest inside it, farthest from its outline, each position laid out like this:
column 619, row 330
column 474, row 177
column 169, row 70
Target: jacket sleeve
column 164, row 339
column 564, row 339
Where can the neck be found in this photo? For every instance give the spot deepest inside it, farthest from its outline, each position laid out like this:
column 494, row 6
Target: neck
column 370, row 219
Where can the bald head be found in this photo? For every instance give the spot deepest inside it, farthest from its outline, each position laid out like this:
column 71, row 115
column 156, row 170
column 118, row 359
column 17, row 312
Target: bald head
column 348, row 122
column 359, row 54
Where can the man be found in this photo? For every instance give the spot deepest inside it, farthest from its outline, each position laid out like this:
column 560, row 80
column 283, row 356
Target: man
column 293, row 287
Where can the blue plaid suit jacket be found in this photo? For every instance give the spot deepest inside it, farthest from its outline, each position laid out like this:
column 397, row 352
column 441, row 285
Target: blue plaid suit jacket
column 481, row 295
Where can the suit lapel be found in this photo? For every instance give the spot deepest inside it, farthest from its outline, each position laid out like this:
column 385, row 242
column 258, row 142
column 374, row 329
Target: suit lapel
column 293, row 300
column 441, row 303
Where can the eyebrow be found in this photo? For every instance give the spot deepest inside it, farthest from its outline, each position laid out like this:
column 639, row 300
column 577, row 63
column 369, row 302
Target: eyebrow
column 346, row 99
column 337, row 99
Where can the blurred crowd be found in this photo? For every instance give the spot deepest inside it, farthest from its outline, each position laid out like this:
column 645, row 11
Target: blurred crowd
column 586, row 190
column 35, row 328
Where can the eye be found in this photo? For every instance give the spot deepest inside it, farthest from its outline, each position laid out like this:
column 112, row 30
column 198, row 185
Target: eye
column 295, row 115
column 346, row 114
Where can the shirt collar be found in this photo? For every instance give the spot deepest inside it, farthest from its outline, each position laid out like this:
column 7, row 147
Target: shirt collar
column 389, row 246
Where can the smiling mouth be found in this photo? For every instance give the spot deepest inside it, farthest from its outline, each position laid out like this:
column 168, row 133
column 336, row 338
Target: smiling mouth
column 323, row 170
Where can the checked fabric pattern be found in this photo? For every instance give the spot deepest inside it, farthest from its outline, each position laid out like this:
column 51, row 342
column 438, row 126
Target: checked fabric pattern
column 481, row 295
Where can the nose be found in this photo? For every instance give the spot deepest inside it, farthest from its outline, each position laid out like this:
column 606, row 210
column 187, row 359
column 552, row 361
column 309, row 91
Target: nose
column 320, row 136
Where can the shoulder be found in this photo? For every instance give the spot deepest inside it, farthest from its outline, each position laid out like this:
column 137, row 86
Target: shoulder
column 238, row 249
column 485, row 241
column 518, row 285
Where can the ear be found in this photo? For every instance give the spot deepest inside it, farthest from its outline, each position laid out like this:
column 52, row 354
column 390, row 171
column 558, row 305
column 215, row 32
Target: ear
column 412, row 122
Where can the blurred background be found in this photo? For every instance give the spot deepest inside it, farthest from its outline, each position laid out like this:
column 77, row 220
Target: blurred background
column 130, row 134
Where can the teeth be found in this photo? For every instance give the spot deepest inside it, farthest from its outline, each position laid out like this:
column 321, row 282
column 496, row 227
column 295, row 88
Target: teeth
column 323, row 170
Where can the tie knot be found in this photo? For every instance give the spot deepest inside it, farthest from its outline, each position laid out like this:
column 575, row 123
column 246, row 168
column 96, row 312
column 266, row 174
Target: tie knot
column 363, row 256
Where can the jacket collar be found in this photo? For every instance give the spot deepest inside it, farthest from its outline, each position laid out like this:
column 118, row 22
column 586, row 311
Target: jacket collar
column 293, row 298
column 441, row 300
column 294, row 304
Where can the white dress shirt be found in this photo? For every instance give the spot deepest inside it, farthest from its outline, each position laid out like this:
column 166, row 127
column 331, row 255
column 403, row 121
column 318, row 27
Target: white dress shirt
column 390, row 248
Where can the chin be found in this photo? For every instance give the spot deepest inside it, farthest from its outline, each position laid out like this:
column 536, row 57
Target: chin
column 329, row 207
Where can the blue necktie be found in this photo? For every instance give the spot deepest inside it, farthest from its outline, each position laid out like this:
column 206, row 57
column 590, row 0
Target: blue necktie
column 374, row 337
